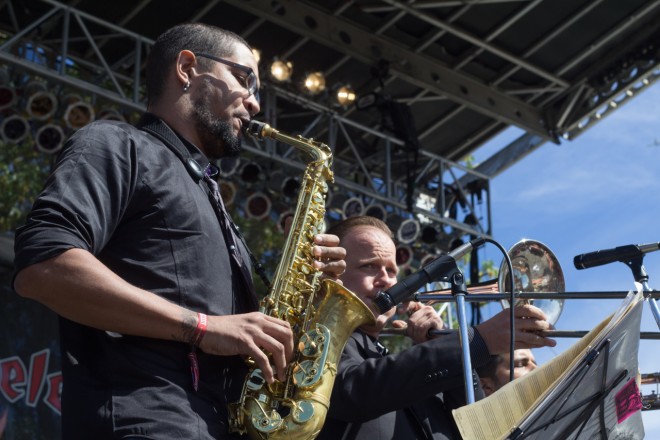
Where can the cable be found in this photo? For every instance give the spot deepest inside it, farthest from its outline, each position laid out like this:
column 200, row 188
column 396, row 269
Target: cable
column 511, row 303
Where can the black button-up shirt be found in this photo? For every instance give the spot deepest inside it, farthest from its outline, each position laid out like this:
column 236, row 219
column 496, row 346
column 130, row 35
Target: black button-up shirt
column 121, row 194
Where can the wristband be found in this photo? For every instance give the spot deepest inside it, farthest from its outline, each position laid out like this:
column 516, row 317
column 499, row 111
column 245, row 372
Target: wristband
column 200, row 330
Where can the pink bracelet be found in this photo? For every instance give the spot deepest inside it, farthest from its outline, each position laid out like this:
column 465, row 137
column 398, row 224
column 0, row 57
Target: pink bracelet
column 200, row 330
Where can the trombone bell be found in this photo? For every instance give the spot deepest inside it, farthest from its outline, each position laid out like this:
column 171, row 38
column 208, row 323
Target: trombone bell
column 535, row 269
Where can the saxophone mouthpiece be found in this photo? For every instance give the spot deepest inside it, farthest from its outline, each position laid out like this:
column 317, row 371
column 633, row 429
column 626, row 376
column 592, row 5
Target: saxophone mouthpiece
column 255, row 129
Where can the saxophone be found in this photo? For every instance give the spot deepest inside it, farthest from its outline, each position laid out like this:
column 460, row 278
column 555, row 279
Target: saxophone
column 322, row 315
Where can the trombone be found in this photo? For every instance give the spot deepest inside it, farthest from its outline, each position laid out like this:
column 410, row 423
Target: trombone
column 538, row 279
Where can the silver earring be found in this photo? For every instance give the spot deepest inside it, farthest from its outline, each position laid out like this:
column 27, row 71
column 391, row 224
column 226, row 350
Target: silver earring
column 186, row 86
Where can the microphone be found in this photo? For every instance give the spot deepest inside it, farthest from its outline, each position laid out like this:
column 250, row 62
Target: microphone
column 621, row 253
column 437, row 268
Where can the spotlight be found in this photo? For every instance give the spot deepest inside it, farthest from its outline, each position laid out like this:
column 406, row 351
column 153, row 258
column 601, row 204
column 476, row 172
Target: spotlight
column 227, row 192
column 404, row 255
column 408, row 231
column 251, row 172
column 70, row 98
column 284, row 217
column 33, row 87
column 314, row 83
column 111, row 115
column 345, row 96
column 41, row 105
column 426, row 259
column 228, row 166
column 257, row 54
column 7, row 97
column 14, row 129
column 257, row 206
column 283, row 184
column 449, row 243
column 369, row 100
column 352, row 207
column 430, row 234
column 49, row 138
column 376, row 210
column 78, row 114
column 281, row 70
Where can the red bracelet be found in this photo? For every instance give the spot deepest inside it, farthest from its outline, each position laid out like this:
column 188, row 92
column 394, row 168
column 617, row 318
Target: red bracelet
column 200, row 330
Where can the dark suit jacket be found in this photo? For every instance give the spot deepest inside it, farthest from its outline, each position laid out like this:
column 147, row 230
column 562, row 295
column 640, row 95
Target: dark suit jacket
column 404, row 396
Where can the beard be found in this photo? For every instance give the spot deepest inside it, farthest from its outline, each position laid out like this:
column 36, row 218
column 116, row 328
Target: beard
column 217, row 137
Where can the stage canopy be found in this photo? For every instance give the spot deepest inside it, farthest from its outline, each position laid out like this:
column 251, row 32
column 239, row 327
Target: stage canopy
column 433, row 82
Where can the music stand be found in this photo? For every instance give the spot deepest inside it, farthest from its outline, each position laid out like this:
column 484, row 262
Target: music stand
column 587, row 392
column 590, row 401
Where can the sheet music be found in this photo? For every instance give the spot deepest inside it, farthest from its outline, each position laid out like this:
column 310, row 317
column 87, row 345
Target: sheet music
column 520, row 402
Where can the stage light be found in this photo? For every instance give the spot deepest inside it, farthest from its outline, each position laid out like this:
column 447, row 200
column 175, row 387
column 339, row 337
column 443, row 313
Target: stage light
column 283, row 184
column 257, row 206
column 376, row 210
column 7, row 97
column 314, row 83
column 369, row 100
column 281, row 70
column 283, row 218
column 78, row 114
column 227, row 192
column 228, row 166
column 430, row 234
column 404, row 255
column 41, row 105
column 449, row 243
column 110, row 114
column 251, row 172
column 49, row 138
column 352, row 207
column 70, row 98
column 345, row 96
column 426, row 259
column 408, row 231
column 34, row 86
column 14, row 129
column 257, row 54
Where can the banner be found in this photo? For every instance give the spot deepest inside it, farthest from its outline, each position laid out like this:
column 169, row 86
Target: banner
column 30, row 368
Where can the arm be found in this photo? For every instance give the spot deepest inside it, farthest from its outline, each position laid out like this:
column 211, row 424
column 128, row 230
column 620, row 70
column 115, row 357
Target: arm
column 78, row 287
column 368, row 388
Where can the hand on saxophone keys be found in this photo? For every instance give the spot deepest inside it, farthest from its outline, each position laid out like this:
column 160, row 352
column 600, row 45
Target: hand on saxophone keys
column 255, row 335
column 329, row 255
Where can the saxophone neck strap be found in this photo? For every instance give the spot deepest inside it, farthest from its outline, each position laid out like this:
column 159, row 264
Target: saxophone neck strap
column 156, row 127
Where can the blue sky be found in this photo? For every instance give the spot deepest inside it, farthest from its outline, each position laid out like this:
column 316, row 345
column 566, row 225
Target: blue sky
column 599, row 191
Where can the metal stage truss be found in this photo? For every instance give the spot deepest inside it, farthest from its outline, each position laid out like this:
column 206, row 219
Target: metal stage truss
column 461, row 72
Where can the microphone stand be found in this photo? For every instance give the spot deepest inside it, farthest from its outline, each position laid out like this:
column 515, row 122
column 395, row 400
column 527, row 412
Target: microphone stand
column 636, row 265
column 459, row 290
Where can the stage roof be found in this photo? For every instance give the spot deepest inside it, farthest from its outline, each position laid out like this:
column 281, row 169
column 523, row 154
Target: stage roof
column 446, row 76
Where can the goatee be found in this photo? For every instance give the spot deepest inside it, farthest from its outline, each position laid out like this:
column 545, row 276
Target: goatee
column 217, row 137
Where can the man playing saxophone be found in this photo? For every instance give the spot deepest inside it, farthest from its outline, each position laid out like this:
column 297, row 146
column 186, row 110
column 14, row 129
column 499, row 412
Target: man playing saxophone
column 130, row 246
column 408, row 395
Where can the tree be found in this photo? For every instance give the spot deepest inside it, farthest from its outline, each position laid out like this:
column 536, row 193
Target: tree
column 23, row 171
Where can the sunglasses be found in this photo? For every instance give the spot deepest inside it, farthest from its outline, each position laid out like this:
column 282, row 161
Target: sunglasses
column 249, row 81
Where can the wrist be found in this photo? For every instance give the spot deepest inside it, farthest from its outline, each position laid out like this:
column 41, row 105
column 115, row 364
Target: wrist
column 200, row 330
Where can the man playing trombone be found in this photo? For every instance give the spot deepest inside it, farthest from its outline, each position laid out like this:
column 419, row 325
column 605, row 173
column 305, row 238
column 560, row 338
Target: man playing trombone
column 408, row 395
